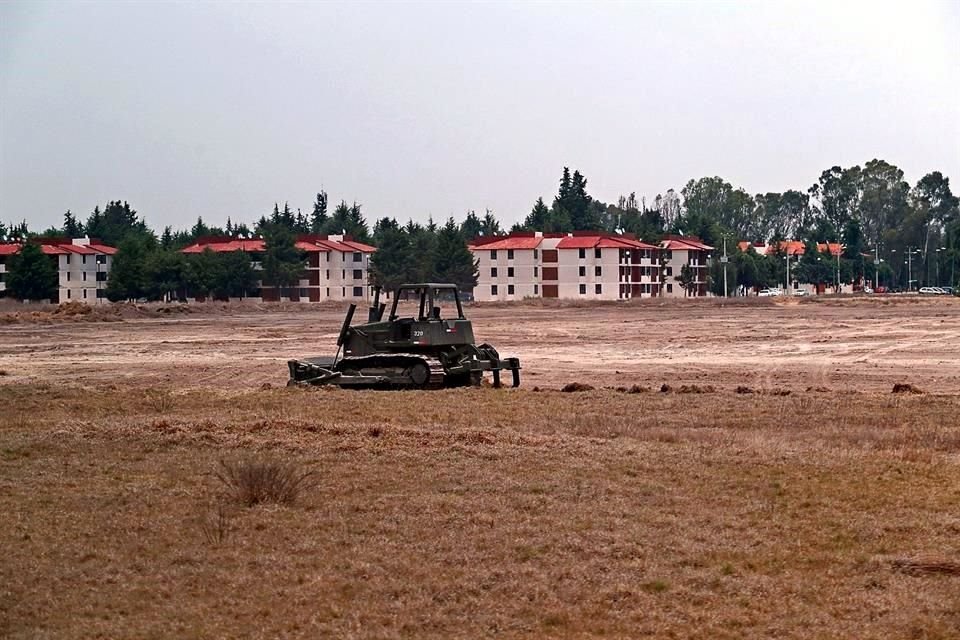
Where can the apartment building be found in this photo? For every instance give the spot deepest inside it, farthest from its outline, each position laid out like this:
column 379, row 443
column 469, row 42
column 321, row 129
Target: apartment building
column 337, row 267
column 581, row 265
column 680, row 251
column 82, row 266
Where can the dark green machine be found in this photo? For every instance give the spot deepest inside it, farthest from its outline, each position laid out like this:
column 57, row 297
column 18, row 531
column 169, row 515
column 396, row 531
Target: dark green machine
column 425, row 352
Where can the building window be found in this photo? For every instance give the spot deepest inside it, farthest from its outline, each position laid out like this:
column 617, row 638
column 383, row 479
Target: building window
column 598, row 271
column 669, row 271
column 101, row 276
column 84, row 259
column 84, row 294
column 493, row 254
column 536, row 271
column 599, row 289
column 101, row 259
column 68, row 293
column 669, row 288
column 582, row 254
column 101, row 293
column 358, row 292
column 328, row 274
column 583, row 289
column 536, row 289
column 357, row 257
column 598, row 253
column 343, row 275
column 328, row 292
column 509, row 254
column 583, row 272
column 510, row 289
column 68, row 274
column 84, row 273
column 493, row 272
column 343, row 292
column 303, row 293
column 536, row 254
column 509, row 272
column 493, row 289
column 67, row 258
column 357, row 274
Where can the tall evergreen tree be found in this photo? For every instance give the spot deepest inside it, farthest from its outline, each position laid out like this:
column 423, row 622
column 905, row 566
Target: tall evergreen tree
column 283, row 263
column 71, row 227
column 453, row 260
column 127, row 280
column 390, row 265
column 471, row 226
column 32, row 274
column 319, row 217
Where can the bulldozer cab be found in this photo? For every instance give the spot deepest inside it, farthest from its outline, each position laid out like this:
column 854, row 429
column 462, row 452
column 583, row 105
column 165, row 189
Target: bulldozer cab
column 439, row 318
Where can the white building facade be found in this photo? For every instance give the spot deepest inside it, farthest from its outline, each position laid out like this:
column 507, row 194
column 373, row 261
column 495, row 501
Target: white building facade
column 572, row 266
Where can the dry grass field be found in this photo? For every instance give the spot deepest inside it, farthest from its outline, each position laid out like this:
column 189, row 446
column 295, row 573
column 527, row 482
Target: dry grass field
column 820, row 504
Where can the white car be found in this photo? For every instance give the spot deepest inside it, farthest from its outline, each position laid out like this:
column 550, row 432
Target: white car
column 767, row 293
column 932, row 291
column 800, row 292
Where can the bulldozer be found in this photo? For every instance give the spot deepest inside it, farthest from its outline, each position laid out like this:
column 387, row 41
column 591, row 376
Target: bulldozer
column 422, row 352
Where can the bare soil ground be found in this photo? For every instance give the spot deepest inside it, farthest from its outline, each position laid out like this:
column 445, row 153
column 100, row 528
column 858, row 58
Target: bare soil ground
column 833, row 511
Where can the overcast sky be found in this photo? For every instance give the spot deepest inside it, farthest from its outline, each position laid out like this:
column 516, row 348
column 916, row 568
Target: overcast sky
column 433, row 109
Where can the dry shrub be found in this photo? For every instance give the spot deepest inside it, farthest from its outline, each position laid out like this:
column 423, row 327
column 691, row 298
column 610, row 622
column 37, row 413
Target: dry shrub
column 573, row 387
column 693, row 388
column 4, row 372
column 215, row 524
column 638, row 389
column 905, row 387
column 743, row 389
column 665, row 388
column 254, row 481
column 160, row 400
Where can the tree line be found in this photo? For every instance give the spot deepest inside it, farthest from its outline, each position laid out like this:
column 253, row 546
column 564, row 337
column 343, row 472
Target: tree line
column 871, row 210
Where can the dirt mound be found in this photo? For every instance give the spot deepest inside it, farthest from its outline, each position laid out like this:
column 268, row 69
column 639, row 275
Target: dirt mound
column 573, row 387
column 905, row 387
column 695, row 388
column 73, row 308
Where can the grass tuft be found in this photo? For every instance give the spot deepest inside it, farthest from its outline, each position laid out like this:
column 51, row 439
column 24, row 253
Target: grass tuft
column 255, row 481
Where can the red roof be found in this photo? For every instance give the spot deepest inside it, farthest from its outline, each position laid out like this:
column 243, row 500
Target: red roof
column 75, row 248
column 9, row 249
column 623, row 243
column 578, row 242
column 102, row 248
column 834, row 248
column 789, row 247
column 523, row 242
column 53, row 250
column 359, row 246
column 310, row 244
column 680, row 243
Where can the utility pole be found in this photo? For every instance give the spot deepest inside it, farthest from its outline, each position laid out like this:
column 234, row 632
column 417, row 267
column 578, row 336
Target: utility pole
column 788, row 270
column 909, row 268
column 838, row 265
column 876, row 266
column 724, row 260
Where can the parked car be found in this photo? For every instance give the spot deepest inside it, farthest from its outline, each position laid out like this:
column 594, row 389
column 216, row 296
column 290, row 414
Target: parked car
column 932, row 291
column 800, row 292
column 766, row 293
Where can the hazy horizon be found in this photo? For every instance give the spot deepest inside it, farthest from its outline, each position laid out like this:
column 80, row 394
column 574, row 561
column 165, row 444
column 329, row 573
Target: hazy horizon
column 417, row 110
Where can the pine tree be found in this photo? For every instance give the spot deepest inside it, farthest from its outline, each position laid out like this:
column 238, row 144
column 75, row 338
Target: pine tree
column 127, row 278
column 283, row 263
column 390, row 264
column 71, row 227
column 471, row 226
column 235, row 276
column 539, row 217
column 166, row 240
column 32, row 275
column 319, row 217
column 453, row 261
